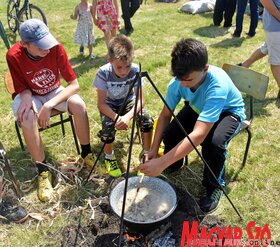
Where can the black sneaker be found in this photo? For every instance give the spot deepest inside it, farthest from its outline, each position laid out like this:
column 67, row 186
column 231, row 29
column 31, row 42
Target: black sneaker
column 278, row 100
column 210, row 202
column 128, row 32
column 236, row 35
column 12, row 213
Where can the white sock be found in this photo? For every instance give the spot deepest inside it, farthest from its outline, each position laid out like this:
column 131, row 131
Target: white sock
column 109, row 156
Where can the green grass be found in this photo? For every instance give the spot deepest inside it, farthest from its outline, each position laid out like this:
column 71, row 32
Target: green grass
column 255, row 192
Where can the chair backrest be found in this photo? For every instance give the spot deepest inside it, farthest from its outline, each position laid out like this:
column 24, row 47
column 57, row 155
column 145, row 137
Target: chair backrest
column 9, row 82
column 248, row 81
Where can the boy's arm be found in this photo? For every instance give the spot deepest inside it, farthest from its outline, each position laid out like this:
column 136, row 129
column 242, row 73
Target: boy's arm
column 123, row 121
column 163, row 121
column 155, row 167
column 103, row 107
column 271, row 8
column 76, row 13
column 45, row 112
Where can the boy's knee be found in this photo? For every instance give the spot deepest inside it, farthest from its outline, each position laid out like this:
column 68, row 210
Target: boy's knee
column 28, row 122
column 146, row 122
column 106, row 137
column 76, row 104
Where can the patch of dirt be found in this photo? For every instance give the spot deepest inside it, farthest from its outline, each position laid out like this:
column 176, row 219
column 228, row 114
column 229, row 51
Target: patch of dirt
column 103, row 230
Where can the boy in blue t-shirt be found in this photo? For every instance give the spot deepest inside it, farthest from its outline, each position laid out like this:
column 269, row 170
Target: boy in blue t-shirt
column 113, row 81
column 212, row 115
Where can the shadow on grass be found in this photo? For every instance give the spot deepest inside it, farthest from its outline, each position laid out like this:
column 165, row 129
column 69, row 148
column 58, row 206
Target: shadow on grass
column 211, row 31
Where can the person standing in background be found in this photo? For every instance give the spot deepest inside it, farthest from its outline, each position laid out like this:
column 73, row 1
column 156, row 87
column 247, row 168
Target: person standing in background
column 224, row 9
column 271, row 26
column 84, row 31
column 106, row 17
column 254, row 12
column 129, row 8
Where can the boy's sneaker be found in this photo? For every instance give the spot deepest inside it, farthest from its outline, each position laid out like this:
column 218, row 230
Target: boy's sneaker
column 89, row 160
column 92, row 56
column 12, row 213
column 210, row 202
column 81, row 50
column 112, row 167
column 45, row 188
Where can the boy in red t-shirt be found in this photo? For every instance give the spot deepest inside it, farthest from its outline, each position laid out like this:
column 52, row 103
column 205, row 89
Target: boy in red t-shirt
column 36, row 63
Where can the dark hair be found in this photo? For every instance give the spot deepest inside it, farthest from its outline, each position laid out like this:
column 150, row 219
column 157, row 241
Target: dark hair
column 121, row 48
column 188, row 55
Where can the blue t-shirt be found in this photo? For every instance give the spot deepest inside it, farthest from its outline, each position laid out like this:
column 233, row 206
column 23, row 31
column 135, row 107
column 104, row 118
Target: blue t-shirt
column 270, row 23
column 217, row 94
column 117, row 88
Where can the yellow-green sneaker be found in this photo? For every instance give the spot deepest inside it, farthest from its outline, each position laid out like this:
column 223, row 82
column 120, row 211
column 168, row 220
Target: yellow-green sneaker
column 45, row 188
column 112, row 167
column 89, row 160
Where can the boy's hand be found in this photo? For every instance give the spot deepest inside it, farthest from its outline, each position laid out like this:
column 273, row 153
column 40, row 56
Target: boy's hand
column 122, row 123
column 151, row 168
column 152, row 155
column 44, row 116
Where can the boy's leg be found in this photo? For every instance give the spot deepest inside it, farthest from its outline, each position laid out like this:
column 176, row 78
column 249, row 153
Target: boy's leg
column 215, row 152
column 35, row 147
column 173, row 134
column 107, row 135
column 77, row 107
column 146, row 124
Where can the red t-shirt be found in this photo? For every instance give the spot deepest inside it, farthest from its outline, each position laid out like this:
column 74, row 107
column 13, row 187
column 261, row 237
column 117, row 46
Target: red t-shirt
column 40, row 76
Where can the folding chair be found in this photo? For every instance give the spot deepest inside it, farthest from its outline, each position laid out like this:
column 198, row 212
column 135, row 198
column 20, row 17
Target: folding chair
column 10, row 87
column 254, row 85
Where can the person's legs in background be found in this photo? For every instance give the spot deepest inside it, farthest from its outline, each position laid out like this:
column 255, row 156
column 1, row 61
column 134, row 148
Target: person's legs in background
column 241, row 7
column 220, row 6
column 134, row 6
column 125, row 5
column 273, row 46
column 229, row 12
column 256, row 55
column 254, row 12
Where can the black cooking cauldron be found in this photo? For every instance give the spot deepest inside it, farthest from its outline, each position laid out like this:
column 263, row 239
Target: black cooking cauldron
column 154, row 183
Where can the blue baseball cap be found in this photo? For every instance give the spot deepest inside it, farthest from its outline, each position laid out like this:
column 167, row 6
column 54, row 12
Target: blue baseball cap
column 37, row 33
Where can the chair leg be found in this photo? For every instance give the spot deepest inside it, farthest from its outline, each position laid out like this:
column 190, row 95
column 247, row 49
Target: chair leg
column 74, row 134
column 62, row 124
column 247, row 147
column 19, row 136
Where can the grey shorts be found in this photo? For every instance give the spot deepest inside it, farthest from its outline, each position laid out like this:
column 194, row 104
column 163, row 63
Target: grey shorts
column 39, row 101
column 273, row 47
